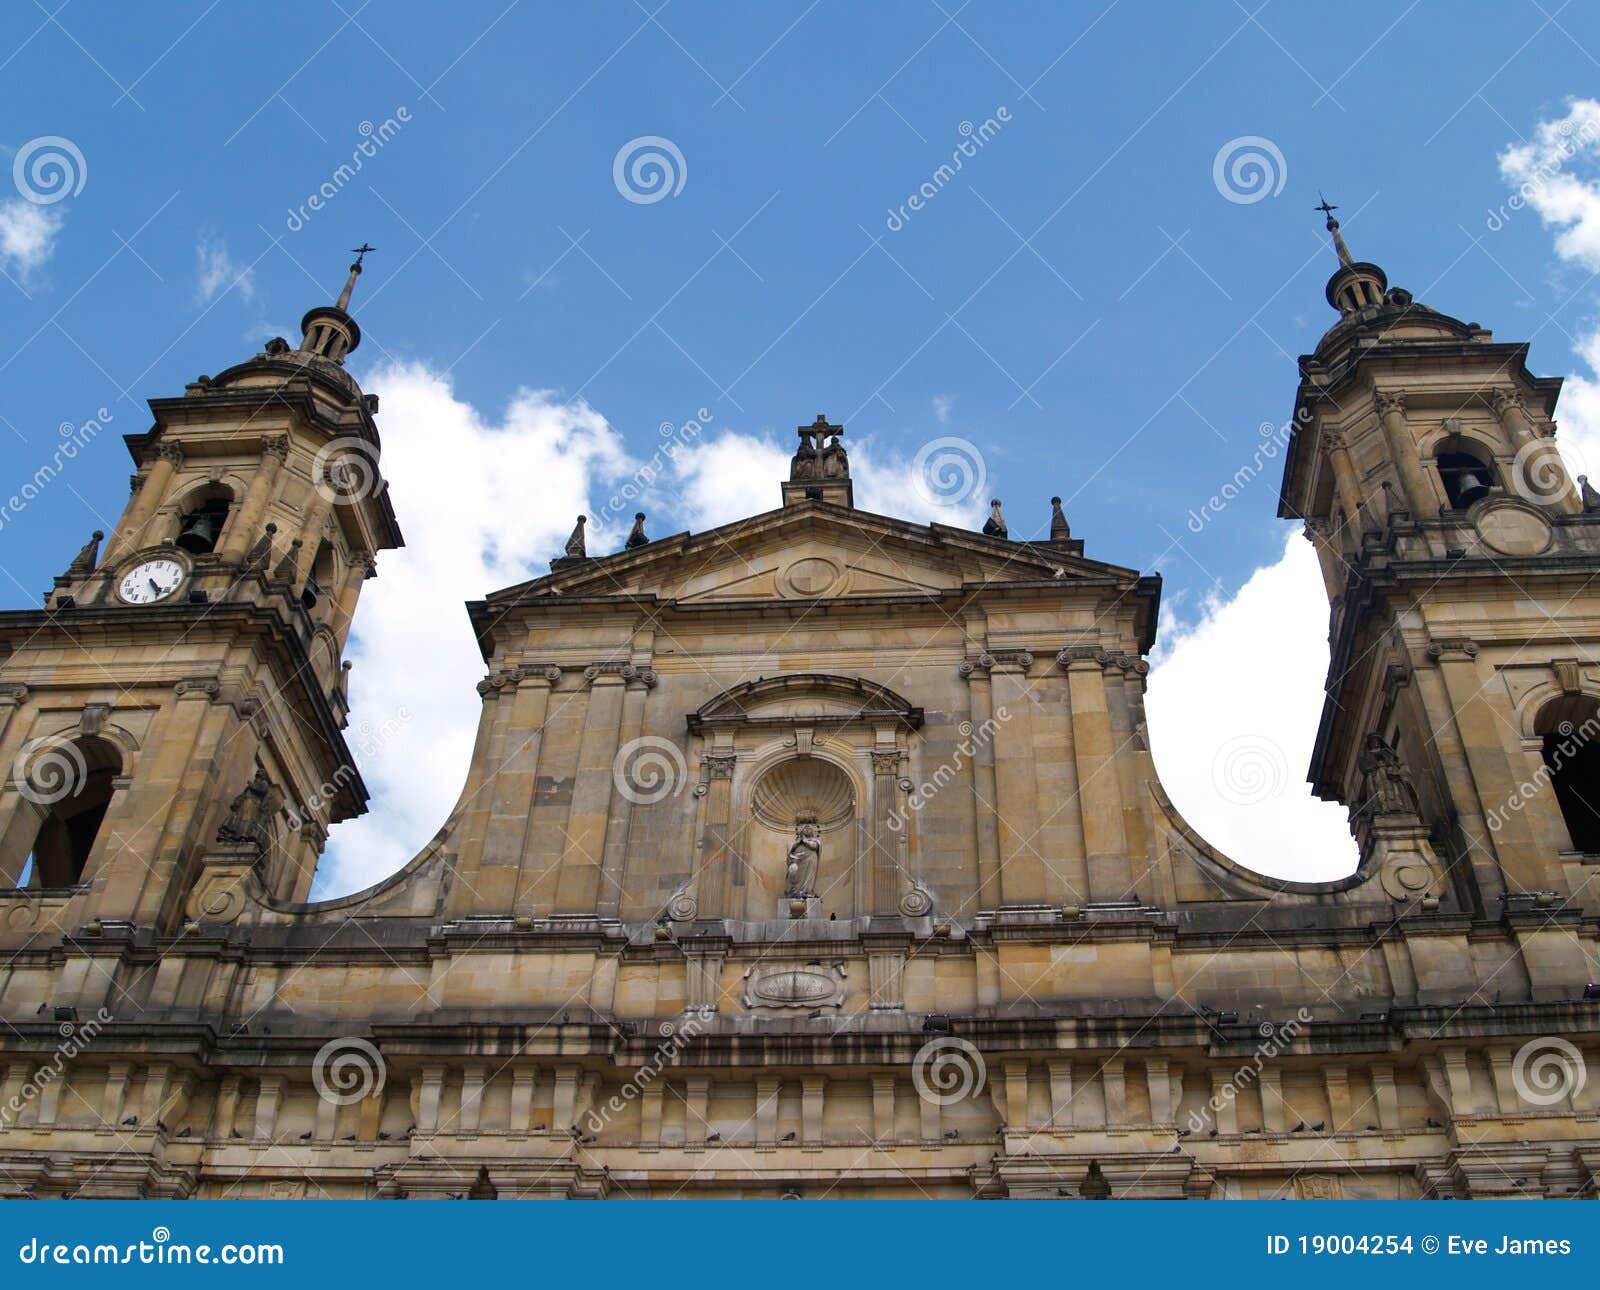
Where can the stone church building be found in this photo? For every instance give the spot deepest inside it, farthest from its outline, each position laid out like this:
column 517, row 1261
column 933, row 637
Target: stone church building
column 821, row 854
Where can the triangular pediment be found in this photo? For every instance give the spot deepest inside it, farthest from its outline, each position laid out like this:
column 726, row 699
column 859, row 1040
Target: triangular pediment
column 813, row 551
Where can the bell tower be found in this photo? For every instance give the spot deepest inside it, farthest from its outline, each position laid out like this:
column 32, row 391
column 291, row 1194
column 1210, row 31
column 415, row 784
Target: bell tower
column 184, row 689
column 1461, row 564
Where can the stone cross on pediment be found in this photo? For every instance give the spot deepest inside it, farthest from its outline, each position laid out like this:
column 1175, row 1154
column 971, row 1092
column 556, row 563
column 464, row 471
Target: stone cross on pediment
column 820, row 454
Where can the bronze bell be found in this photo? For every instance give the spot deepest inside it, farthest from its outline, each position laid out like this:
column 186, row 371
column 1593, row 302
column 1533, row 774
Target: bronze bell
column 1472, row 486
column 309, row 596
column 200, row 531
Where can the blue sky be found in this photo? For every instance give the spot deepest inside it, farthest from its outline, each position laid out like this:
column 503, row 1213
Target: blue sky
column 1084, row 301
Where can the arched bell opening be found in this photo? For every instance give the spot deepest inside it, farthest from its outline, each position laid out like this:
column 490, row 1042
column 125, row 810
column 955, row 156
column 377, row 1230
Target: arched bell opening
column 1466, row 470
column 66, row 788
column 203, row 517
column 1569, row 733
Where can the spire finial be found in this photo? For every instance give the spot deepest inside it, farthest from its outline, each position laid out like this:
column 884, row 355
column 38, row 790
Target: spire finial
column 1327, row 208
column 360, row 252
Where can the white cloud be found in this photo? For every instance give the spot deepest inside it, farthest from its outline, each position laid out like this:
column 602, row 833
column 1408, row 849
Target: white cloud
column 1233, row 706
column 216, row 271
column 27, row 235
column 942, row 404
column 483, row 504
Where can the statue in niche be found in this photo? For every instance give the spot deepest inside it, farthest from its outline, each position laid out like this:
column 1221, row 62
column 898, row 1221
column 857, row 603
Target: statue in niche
column 800, row 874
column 1386, row 786
column 251, row 813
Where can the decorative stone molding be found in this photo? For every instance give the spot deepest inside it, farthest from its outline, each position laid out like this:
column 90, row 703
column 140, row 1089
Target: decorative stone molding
column 886, row 763
column 1389, row 401
column 1019, row 660
column 13, row 692
column 1452, row 647
column 683, row 907
column 276, row 445
column 1083, row 654
column 92, row 720
column 630, row 673
column 1569, row 675
column 916, row 902
column 794, row 987
column 980, row 663
column 205, row 685
column 165, row 451
column 718, row 765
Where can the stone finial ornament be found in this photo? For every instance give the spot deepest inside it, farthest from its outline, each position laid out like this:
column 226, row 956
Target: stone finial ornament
column 1591, row 499
column 289, row 566
column 1060, row 531
column 637, row 537
column 259, row 556
column 88, row 556
column 575, row 544
column 995, row 526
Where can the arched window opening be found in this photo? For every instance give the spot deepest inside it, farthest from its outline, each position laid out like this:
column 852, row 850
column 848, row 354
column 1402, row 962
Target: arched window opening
column 1467, row 478
column 320, row 577
column 1570, row 730
column 70, row 788
column 204, row 516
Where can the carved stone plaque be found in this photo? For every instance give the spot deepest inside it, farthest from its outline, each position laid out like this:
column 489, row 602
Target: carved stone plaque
column 811, row 986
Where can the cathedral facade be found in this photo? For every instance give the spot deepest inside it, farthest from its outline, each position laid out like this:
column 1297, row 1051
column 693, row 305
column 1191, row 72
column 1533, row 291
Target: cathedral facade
column 820, row 854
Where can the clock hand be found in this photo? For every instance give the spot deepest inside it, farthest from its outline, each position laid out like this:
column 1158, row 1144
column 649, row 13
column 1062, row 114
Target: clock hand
column 154, row 585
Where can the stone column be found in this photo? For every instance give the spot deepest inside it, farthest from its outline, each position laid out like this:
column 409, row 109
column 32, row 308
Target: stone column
column 1542, row 472
column 887, row 881
column 578, row 887
column 812, row 1090
column 639, row 681
column 152, row 492
column 428, row 1099
column 1422, row 499
column 269, row 1097
column 507, row 795
column 1158, row 1080
column 472, row 1082
column 766, row 1117
column 1494, row 756
column 1274, row 1111
column 222, row 1117
column 524, row 1081
column 245, row 526
column 1336, row 1082
column 1099, row 793
column 981, row 706
column 361, row 567
column 883, row 1108
column 1113, row 1081
column 1386, row 1096
column 115, row 1094
column 650, row 1116
column 1345, row 481
column 1061, row 1117
column 696, row 1095
column 713, row 885
column 1024, row 879
column 317, row 508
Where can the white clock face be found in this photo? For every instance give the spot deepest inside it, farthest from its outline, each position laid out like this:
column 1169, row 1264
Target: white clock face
column 150, row 581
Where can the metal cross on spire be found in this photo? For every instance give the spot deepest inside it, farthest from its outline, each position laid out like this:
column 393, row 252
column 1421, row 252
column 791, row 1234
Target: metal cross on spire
column 1328, row 208
column 360, row 252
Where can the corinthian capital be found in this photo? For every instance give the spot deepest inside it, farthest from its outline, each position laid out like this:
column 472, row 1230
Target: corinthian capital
column 1390, row 401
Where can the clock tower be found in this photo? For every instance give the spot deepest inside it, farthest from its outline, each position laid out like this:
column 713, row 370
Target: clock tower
column 174, row 712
